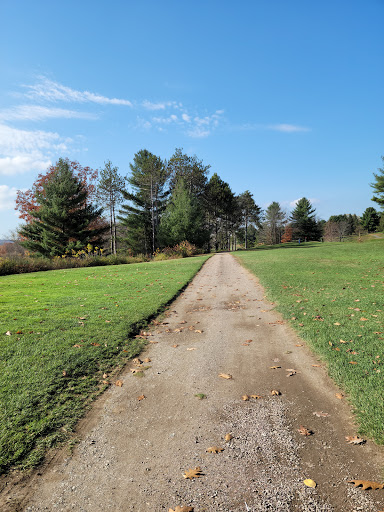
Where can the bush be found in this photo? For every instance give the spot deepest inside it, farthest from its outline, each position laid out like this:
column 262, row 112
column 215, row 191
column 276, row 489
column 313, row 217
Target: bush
column 182, row 250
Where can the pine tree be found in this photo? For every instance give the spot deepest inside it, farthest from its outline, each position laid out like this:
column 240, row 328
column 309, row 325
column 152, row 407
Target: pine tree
column 370, row 219
column 63, row 220
column 249, row 211
column 304, row 224
column 273, row 225
column 141, row 215
column 378, row 187
column 183, row 219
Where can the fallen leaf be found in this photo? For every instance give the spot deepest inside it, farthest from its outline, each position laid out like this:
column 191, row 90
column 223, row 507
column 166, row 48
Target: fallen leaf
column 336, row 323
column 181, row 509
column 153, row 342
column 274, row 367
column 147, row 360
column 105, row 375
column 275, row 392
column 245, row 398
column 310, row 483
column 95, row 344
column 304, row 431
column 77, row 345
column 352, row 362
column 248, row 341
column 366, row 484
column 245, row 344
column 137, row 361
column 362, row 319
column 225, row 375
column 141, row 397
column 340, row 396
column 119, row 383
column 193, row 473
column 64, row 373
column 198, row 331
column 299, row 345
column 316, row 365
column 8, row 333
column 175, row 345
column 255, row 396
column 354, row 440
column 228, row 437
column 214, row 449
column 192, row 348
column 183, row 322
column 321, row 414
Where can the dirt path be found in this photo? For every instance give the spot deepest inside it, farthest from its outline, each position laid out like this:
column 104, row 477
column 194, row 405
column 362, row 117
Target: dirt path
column 133, row 453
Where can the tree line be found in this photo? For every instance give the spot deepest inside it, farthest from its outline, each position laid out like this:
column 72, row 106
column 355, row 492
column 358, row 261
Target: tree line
column 161, row 203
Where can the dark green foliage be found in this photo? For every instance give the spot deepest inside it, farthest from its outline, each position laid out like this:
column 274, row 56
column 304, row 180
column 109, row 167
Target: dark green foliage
column 378, row 186
column 370, row 219
column 141, row 216
column 193, row 172
column 304, row 224
column 64, row 219
column 249, row 212
column 183, row 219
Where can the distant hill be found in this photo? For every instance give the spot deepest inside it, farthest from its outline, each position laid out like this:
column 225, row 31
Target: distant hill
column 2, row 242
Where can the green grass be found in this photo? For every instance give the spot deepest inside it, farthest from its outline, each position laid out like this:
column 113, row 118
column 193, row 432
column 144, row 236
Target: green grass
column 333, row 295
column 68, row 327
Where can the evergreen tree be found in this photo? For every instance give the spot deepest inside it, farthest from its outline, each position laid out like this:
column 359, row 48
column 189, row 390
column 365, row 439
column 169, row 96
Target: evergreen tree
column 370, row 219
column 378, row 187
column 141, row 216
column 249, row 211
column 63, row 219
column 304, row 224
column 183, row 219
column 273, row 225
column 190, row 169
column 110, row 193
column 218, row 202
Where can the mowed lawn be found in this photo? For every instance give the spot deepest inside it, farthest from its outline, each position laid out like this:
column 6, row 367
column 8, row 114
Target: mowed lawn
column 60, row 332
column 333, row 295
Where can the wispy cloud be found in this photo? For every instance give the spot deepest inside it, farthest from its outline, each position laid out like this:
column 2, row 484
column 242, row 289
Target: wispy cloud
column 288, row 128
column 39, row 113
column 7, row 197
column 24, row 150
column 312, row 200
column 48, row 90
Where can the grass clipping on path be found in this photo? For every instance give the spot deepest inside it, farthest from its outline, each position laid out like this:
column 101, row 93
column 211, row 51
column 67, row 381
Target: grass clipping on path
column 333, row 295
column 60, row 332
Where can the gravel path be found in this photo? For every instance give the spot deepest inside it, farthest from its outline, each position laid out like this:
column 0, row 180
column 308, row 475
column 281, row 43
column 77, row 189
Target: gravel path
column 133, row 453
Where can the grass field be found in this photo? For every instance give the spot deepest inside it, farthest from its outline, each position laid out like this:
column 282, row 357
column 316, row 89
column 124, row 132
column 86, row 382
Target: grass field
column 333, row 295
column 60, row 332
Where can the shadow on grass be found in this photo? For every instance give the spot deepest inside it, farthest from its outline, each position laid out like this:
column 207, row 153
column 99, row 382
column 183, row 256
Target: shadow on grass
column 290, row 245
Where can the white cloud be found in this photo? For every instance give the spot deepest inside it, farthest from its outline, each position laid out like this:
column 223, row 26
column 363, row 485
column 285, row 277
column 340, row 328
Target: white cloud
column 186, row 118
column 313, row 201
column 198, row 132
column 48, row 90
column 288, row 128
column 38, row 113
column 7, row 197
column 23, row 150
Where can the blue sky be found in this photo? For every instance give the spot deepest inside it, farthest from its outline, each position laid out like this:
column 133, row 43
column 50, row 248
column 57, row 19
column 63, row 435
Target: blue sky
column 283, row 98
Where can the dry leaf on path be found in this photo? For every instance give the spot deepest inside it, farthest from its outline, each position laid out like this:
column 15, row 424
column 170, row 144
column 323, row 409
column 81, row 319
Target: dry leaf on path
column 366, row 484
column 141, row 397
column 310, row 483
column 147, row 360
column 304, row 431
column 193, row 473
column 181, row 509
column 192, row 348
column 119, row 383
column 299, row 345
column 198, row 331
column 175, row 345
column 274, row 367
column 137, row 361
column 321, row 414
column 340, row 396
column 354, row 440
column 275, row 392
column 153, row 342
column 225, row 375
column 255, row 396
column 245, row 398
column 214, row 449
column 228, row 437
column 316, row 365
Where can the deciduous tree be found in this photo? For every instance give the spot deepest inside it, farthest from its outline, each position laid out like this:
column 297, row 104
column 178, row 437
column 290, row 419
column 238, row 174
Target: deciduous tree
column 273, row 225
column 110, row 194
